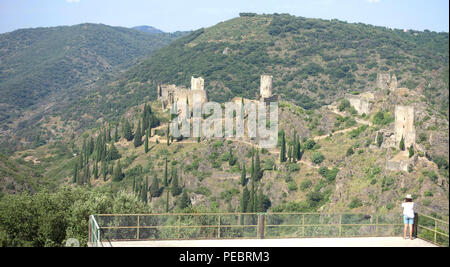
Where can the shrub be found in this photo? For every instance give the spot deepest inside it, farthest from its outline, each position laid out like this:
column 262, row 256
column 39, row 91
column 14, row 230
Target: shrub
column 309, row 144
column 305, row 184
column 350, row 151
column 355, row 203
column 317, row 158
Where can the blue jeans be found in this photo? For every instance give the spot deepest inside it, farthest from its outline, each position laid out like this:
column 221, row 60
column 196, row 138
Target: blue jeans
column 408, row 220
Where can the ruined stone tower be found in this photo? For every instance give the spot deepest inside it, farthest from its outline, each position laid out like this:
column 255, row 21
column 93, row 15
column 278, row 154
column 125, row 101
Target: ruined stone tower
column 385, row 81
column 265, row 88
column 197, row 83
column 404, row 125
column 393, row 83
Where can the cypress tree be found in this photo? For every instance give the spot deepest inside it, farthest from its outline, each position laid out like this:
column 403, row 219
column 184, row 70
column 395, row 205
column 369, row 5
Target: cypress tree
column 175, row 188
column 290, row 153
column 104, row 170
column 411, row 151
column 258, row 171
column 138, row 136
column 167, row 135
column 166, row 182
column 113, row 152
column 80, row 161
column 245, row 199
column 146, row 141
column 91, row 145
column 144, row 190
column 243, row 174
column 95, row 171
column 283, row 148
column 167, row 201
column 402, row 144
column 87, row 175
column 145, row 119
column 116, row 134
column 117, row 173
column 154, row 189
column 185, row 201
column 108, row 135
column 252, row 169
column 85, row 152
column 127, row 131
column 380, row 139
column 297, row 149
column 260, row 201
column 75, row 173
column 294, row 146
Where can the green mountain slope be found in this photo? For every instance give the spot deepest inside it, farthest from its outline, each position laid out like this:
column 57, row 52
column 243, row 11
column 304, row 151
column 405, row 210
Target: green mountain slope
column 312, row 60
column 47, row 69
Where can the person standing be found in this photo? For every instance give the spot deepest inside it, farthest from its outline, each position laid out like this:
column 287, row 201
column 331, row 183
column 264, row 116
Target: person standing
column 408, row 216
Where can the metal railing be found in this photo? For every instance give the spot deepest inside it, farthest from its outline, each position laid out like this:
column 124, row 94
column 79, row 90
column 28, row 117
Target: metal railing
column 94, row 232
column 183, row 226
column 432, row 229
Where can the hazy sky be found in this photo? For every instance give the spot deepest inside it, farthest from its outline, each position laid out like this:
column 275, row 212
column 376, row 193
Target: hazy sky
column 173, row 15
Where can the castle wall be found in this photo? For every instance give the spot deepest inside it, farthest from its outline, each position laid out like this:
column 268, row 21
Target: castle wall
column 361, row 103
column 404, row 125
column 168, row 93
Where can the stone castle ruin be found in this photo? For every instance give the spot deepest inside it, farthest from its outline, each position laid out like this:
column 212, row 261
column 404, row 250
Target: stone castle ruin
column 385, row 81
column 362, row 103
column 170, row 93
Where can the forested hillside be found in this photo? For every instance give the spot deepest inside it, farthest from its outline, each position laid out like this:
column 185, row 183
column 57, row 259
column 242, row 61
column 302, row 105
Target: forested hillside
column 44, row 70
column 312, row 60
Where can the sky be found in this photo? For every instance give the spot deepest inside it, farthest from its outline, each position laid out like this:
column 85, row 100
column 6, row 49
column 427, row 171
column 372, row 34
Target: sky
column 182, row 15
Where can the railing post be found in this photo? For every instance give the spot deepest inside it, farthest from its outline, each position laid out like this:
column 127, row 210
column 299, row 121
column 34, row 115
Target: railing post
column 435, row 231
column 218, row 227
column 90, row 229
column 179, row 226
column 303, row 224
column 137, row 235
column 261, row 224
column 376, row 225
column 340, row 225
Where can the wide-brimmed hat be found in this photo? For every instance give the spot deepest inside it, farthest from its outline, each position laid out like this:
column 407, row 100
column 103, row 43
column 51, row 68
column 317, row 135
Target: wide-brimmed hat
column 408, row 196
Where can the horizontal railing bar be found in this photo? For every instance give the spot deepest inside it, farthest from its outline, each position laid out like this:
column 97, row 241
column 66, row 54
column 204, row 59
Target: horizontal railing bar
column 420, row 215
column 176, row 214
column 238, row 214
column 432, row 230
column 333, row 224
column 176, row 226
column 237, row 238
column 240, row 226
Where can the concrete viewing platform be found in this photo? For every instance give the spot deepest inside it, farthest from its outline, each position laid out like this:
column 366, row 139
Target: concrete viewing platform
column 293, row 242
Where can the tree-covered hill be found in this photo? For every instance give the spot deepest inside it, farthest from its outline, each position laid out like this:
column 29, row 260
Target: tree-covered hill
column 45, row 68
column 147, row 29
column 312, row 60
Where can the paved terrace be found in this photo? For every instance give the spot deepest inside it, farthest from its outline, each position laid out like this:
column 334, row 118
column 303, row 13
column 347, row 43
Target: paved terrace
column 294, row 242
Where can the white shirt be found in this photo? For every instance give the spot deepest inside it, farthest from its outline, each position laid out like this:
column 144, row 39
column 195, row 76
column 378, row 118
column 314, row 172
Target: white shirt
column 408, row 209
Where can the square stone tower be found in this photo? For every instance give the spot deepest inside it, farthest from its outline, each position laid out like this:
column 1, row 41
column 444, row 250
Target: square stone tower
column 404, row 125
column 197, row 83
column 265, row 88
